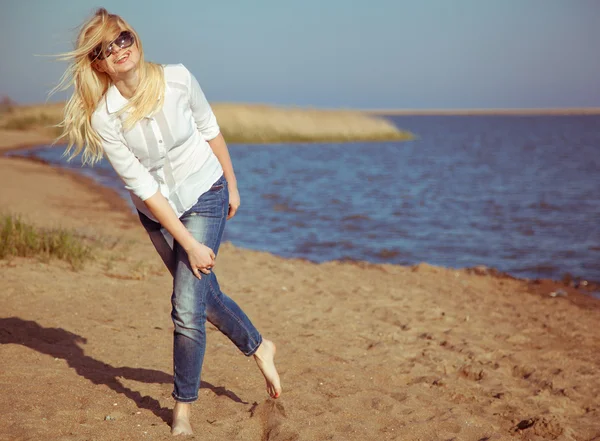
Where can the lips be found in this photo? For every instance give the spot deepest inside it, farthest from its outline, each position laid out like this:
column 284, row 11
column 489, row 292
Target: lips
column 122, row 58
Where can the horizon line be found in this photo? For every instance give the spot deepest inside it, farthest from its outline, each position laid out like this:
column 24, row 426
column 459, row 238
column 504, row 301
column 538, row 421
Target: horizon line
column 491, row 111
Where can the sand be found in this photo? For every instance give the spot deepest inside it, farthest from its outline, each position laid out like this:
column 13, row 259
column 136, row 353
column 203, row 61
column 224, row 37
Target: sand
column 365, row 352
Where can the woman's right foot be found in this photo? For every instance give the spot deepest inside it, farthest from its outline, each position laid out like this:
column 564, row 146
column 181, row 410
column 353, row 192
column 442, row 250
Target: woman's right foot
column 265, row 359
column 181, row 419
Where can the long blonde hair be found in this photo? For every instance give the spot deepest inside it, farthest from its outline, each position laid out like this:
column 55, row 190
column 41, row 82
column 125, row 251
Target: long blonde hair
column 90, row 85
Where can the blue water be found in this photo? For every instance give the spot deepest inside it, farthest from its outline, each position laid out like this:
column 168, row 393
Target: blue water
column 520, row 194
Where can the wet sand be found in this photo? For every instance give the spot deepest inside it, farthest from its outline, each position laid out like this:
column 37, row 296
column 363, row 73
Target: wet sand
column 365, row 352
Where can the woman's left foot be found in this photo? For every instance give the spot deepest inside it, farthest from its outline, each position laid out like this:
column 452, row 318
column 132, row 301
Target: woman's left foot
column 181, row 420
column 264, row 356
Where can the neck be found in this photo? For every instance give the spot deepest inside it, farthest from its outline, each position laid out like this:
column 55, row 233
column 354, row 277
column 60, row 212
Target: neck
column 127, row 83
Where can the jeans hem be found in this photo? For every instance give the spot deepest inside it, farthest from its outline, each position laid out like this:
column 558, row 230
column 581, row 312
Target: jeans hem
column 184, row 400
column 254, row 349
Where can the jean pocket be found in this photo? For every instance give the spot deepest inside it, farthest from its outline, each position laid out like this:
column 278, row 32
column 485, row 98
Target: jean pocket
column 216, row 188
column 219, row 185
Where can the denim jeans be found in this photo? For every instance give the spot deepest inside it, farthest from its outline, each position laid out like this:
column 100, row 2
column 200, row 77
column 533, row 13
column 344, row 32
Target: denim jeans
column 196, row 300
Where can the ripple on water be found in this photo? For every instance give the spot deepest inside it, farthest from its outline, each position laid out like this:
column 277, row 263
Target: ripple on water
column 356, row 217
column 286, row 207
column 317, row 248
column 386, row 253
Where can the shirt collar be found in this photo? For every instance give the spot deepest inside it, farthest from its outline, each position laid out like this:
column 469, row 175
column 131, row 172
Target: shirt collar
column 114, row 100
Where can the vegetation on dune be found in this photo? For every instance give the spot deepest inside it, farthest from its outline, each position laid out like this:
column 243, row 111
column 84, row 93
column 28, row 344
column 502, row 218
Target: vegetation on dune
column 20, row 239
column 241, row 123
column 24, row 122
column 41, row 117
column 246, row 123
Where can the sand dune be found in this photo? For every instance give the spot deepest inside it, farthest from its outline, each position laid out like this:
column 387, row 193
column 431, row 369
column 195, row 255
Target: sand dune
column 242, row 123
column 366, row 352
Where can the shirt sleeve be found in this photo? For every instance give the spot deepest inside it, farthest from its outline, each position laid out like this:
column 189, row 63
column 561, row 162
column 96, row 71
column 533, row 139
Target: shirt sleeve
column 203, row 114
column 136, row 177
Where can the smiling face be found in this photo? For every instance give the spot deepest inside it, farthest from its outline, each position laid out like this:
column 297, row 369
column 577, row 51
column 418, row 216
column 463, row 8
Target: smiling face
column 121, row 55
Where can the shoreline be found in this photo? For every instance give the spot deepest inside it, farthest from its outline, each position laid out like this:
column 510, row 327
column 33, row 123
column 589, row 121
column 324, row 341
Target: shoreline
column 111, row 196
column 120, row 205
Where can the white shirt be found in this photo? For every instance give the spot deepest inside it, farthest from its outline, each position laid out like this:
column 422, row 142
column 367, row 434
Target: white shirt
column 166, row 151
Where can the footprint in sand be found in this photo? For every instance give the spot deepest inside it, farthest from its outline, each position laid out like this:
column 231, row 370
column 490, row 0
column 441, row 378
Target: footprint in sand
column 272, row 416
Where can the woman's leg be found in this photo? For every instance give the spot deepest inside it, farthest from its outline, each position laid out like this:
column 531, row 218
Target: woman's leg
column 206, row 221
column 196, row 300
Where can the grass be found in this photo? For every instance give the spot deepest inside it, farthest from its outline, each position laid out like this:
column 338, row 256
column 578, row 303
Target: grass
column 25, row 122
column 20, row 239
column 41, row 117
column 247, row 123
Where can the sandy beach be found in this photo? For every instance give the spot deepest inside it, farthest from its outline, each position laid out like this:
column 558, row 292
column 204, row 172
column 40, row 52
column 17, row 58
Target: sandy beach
column 365, row 352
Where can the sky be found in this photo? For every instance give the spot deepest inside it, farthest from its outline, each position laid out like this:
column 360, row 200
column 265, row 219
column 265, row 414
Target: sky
column 376, row 54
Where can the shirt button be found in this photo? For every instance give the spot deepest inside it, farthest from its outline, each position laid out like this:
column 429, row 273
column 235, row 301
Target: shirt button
column 160, row 141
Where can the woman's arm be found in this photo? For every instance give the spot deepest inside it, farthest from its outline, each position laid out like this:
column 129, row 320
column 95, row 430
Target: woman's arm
column 201, row 257
column 219, row 148
column 206, row 123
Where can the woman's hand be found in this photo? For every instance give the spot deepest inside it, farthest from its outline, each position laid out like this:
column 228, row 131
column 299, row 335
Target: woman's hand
column 234, row 201
column 219, row 148
column 202, row 259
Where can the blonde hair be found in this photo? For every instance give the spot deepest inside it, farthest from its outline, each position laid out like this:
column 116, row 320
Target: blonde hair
column 90, row 85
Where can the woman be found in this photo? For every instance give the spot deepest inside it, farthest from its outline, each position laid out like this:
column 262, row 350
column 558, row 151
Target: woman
column 159, row 133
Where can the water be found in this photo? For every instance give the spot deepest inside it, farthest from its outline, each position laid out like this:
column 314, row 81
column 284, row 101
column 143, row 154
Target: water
column 520, row 194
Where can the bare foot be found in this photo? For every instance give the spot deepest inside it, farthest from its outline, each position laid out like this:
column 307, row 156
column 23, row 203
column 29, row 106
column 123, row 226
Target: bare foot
column 264, row 357
column 181, row 419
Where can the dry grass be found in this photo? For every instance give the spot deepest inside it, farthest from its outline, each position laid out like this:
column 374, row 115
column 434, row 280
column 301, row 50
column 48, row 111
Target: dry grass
column 20, row 239
column 245, row 123
column 40, row 117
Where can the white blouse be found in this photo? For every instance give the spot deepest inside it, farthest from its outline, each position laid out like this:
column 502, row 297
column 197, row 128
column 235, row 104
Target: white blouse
column 166, row 151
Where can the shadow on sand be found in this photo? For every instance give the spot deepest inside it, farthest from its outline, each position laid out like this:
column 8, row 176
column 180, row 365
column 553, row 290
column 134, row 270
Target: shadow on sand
column 59, row 343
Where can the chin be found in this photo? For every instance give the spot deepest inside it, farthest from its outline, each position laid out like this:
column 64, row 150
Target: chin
column 125, row 67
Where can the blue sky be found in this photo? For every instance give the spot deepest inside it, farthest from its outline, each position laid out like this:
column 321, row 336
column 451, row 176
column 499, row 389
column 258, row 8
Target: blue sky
column 336, row 53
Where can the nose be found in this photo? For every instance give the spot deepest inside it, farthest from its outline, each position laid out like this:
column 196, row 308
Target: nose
column 115, row 49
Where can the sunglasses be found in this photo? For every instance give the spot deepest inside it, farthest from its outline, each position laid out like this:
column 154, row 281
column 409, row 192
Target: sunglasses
column 124, row 40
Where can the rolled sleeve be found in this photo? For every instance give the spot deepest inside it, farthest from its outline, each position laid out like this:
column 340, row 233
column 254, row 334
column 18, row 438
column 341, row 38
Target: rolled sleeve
column 203, row 114
column 134, row 175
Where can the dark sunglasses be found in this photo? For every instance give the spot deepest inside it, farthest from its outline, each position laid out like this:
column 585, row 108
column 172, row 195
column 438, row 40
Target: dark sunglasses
column 124, row 40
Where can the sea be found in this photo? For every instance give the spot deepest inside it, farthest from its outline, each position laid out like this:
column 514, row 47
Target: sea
column 520, row 194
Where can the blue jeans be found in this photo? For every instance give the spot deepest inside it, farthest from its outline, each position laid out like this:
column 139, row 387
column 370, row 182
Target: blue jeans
column 196, row 300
